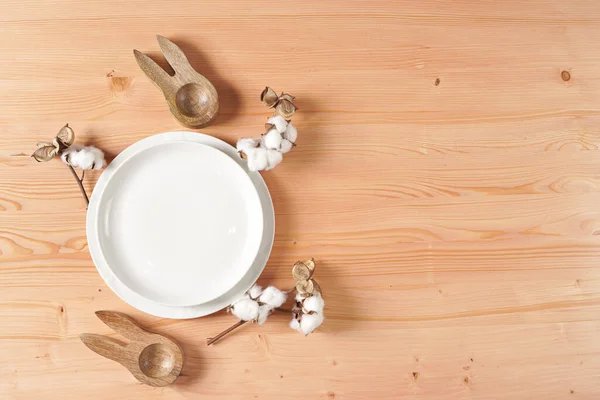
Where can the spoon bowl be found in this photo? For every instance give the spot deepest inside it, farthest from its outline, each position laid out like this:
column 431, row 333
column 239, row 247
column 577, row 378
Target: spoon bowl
column 194, row 100
column 157, row 360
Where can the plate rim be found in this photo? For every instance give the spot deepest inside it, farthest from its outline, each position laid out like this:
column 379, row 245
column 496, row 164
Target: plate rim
column 134, row 151
column 198, row 310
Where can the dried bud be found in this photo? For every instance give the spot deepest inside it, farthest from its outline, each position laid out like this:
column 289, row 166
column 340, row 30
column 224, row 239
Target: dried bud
column 43, row 144
column 66, row 135
column 303, row 271
column 286, row 96
column 305, row 288
column 58, row 145
column 285, row 108
column 269, row 97
column 46, row 152
column 310, row 264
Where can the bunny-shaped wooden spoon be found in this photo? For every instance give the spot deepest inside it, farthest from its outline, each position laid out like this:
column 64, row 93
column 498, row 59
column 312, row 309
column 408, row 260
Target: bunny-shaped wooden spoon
column 151, row 358
column 192, row 99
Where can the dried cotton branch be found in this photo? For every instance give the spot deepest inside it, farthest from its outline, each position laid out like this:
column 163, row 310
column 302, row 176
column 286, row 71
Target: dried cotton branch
column 257, row 304
column 73, row 155
column 267, row 152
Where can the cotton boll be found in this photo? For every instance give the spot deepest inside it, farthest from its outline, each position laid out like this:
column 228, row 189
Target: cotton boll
column 244, row 144
column 295, row 324
column 290, row 133
column 263, row 312
column 314, row 303
column 99, row 161
column 279, row 122
column 310, row 322
column 83, row 159
column 285, row 146
column 273, row 158
column 273, row 139
column 273, row 297
column 68, row 153
column 245, row 309
column 255, row 291
column 257, row 158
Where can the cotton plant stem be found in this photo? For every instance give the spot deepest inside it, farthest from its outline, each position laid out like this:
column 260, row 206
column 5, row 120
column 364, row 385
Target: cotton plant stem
column 225, row 332
column 80, row 183
column 210, row 341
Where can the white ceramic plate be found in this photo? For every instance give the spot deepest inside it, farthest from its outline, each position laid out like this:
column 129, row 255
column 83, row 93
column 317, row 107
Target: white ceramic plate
column 97, row 236
column 179, row 223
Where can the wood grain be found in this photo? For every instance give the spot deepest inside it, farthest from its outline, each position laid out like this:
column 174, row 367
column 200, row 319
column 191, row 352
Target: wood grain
column 446, row 180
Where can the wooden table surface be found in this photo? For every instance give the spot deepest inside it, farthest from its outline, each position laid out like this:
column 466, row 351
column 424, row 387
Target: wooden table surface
column 446, row 180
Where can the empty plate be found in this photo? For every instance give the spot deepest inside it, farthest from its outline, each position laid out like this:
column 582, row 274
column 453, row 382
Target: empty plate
column 177, row 222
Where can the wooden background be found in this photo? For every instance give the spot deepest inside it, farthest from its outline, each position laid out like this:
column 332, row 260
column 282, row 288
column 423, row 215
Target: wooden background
column 446, row 180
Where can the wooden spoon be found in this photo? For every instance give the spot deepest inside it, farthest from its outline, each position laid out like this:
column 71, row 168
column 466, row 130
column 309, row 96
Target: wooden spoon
column 192, row 99
column 151, row 358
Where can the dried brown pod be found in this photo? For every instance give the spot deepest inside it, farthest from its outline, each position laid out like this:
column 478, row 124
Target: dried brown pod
column 268, row 127
column 45, row 152
column 42, row 144
column 285, row 108
column 303, row 271
column 66, row 135
column 305, row 288
column 269, row 97
column 310, row 264
column 286, row 96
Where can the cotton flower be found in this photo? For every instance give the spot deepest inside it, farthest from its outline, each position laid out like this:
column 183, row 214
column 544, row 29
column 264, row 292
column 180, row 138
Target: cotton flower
column 308, row 314
column 255, row 292
column 290, row 133
column 66, row 155
column 260, row 158
column 273, row 139
column 280, row 137
column 245, row 309
column 257, row 158
column 245, row 144
column 273, row 297
column 263, row 312
column 273, row 158
column 285, row 146
column 279, row 122
column 257, row 304
column 313, row 303
column 310, row 322
column 294, row 324
column 269, row 299
column 88, row 157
